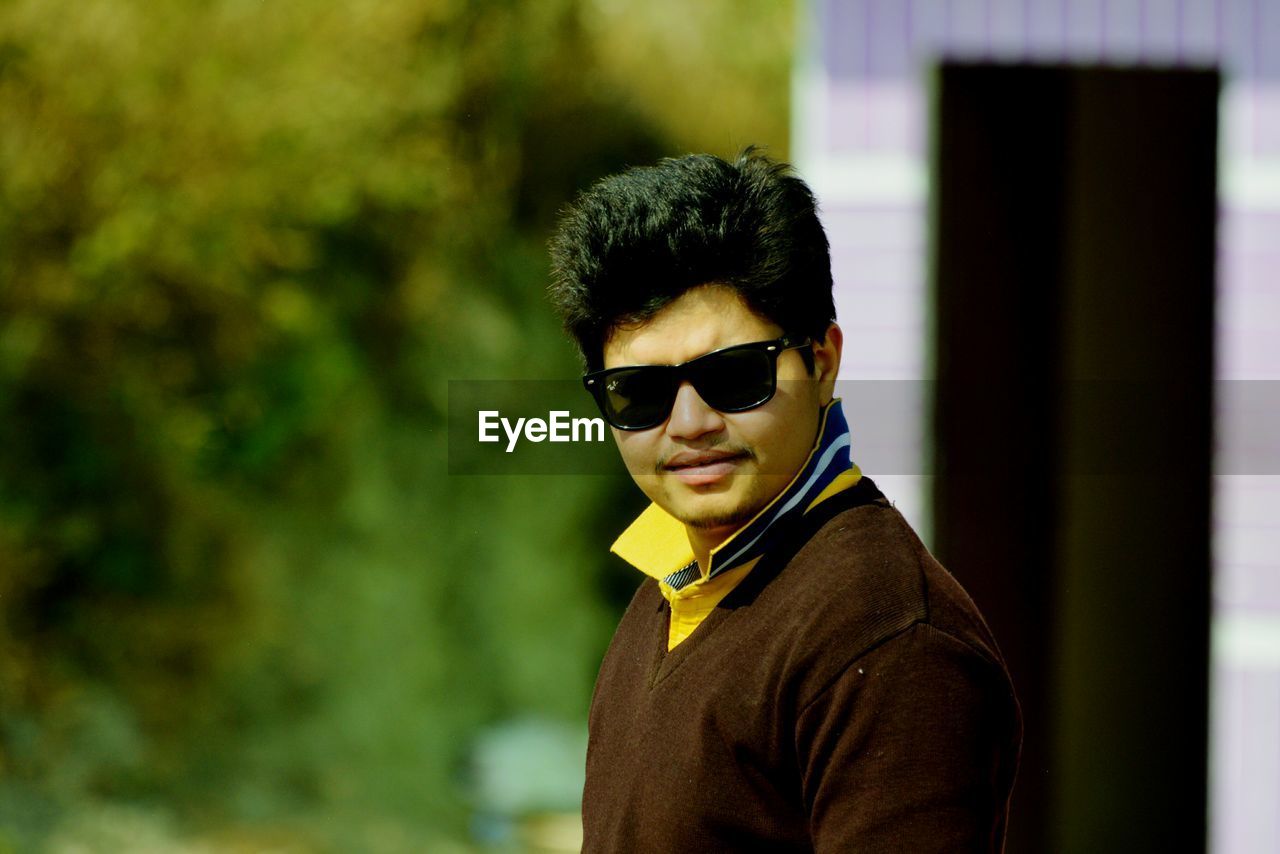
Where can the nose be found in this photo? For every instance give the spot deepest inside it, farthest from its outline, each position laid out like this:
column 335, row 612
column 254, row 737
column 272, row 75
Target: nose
column 690, row 415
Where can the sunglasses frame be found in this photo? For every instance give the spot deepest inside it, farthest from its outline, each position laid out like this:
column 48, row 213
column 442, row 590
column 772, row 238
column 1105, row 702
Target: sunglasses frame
column 594, row 382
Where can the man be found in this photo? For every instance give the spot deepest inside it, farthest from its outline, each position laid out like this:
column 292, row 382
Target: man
column 797, row 673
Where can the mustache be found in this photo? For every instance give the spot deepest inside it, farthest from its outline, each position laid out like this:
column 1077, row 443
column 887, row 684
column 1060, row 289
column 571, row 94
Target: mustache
column 728, row 448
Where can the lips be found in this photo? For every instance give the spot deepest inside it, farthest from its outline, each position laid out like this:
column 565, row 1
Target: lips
column 701, row 468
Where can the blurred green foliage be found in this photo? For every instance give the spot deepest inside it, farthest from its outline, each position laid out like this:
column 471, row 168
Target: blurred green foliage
column 243, row 247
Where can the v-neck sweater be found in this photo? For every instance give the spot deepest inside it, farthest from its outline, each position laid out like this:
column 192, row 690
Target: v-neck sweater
column 845, row 696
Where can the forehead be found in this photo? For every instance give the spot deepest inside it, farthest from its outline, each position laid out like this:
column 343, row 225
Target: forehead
column 700, row 320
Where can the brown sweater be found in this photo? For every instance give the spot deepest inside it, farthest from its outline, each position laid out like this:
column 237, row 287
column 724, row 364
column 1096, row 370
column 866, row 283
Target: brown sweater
column 846, row 696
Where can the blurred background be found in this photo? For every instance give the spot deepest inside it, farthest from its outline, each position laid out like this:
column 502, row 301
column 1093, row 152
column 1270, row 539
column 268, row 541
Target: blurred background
column 244, row 246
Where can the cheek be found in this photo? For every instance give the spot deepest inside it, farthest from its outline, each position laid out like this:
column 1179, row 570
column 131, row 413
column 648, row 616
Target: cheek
column 782, row 434
column 639, row 456
column 638, row 450
column 763, row 430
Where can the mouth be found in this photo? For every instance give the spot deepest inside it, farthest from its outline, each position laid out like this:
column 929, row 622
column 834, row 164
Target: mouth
column 703, row 469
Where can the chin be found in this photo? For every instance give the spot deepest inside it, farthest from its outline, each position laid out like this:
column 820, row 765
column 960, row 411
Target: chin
column 712, row 523
column 717, row 511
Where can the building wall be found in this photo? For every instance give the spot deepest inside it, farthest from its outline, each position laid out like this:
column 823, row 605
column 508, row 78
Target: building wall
column 861, row 137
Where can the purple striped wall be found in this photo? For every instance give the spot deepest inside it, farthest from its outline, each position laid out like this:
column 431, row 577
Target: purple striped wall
column 876, row 39
column 877, row 46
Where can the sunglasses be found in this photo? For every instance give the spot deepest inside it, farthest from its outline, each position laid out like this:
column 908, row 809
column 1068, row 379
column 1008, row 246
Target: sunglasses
column 733, row 379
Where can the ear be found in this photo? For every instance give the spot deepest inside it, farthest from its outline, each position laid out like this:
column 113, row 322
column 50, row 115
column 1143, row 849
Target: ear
column 826, row 362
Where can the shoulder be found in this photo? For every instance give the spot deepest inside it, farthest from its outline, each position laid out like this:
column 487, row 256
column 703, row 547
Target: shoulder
column 859, row 579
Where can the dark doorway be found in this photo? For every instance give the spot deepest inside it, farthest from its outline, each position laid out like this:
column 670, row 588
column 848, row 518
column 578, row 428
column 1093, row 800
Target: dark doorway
column 1073, row 270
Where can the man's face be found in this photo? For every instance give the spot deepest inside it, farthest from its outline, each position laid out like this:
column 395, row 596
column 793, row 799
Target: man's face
column 709, row 469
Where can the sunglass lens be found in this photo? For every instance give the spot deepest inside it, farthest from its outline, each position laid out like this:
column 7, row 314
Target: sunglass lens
column 639, row 398
column 736, row 379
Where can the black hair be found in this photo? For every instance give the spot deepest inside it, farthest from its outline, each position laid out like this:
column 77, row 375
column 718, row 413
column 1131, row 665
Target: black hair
column 635, row 241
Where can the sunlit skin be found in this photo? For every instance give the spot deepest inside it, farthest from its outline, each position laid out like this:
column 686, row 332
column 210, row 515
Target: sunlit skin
column 738, row 461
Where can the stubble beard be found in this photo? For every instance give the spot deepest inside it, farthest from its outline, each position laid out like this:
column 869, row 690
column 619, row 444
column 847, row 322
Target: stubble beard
column 749, row 505
column 736, row 519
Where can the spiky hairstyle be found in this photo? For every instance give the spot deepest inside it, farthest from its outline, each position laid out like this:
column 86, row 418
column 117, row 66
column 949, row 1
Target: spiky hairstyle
column 635, row 241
